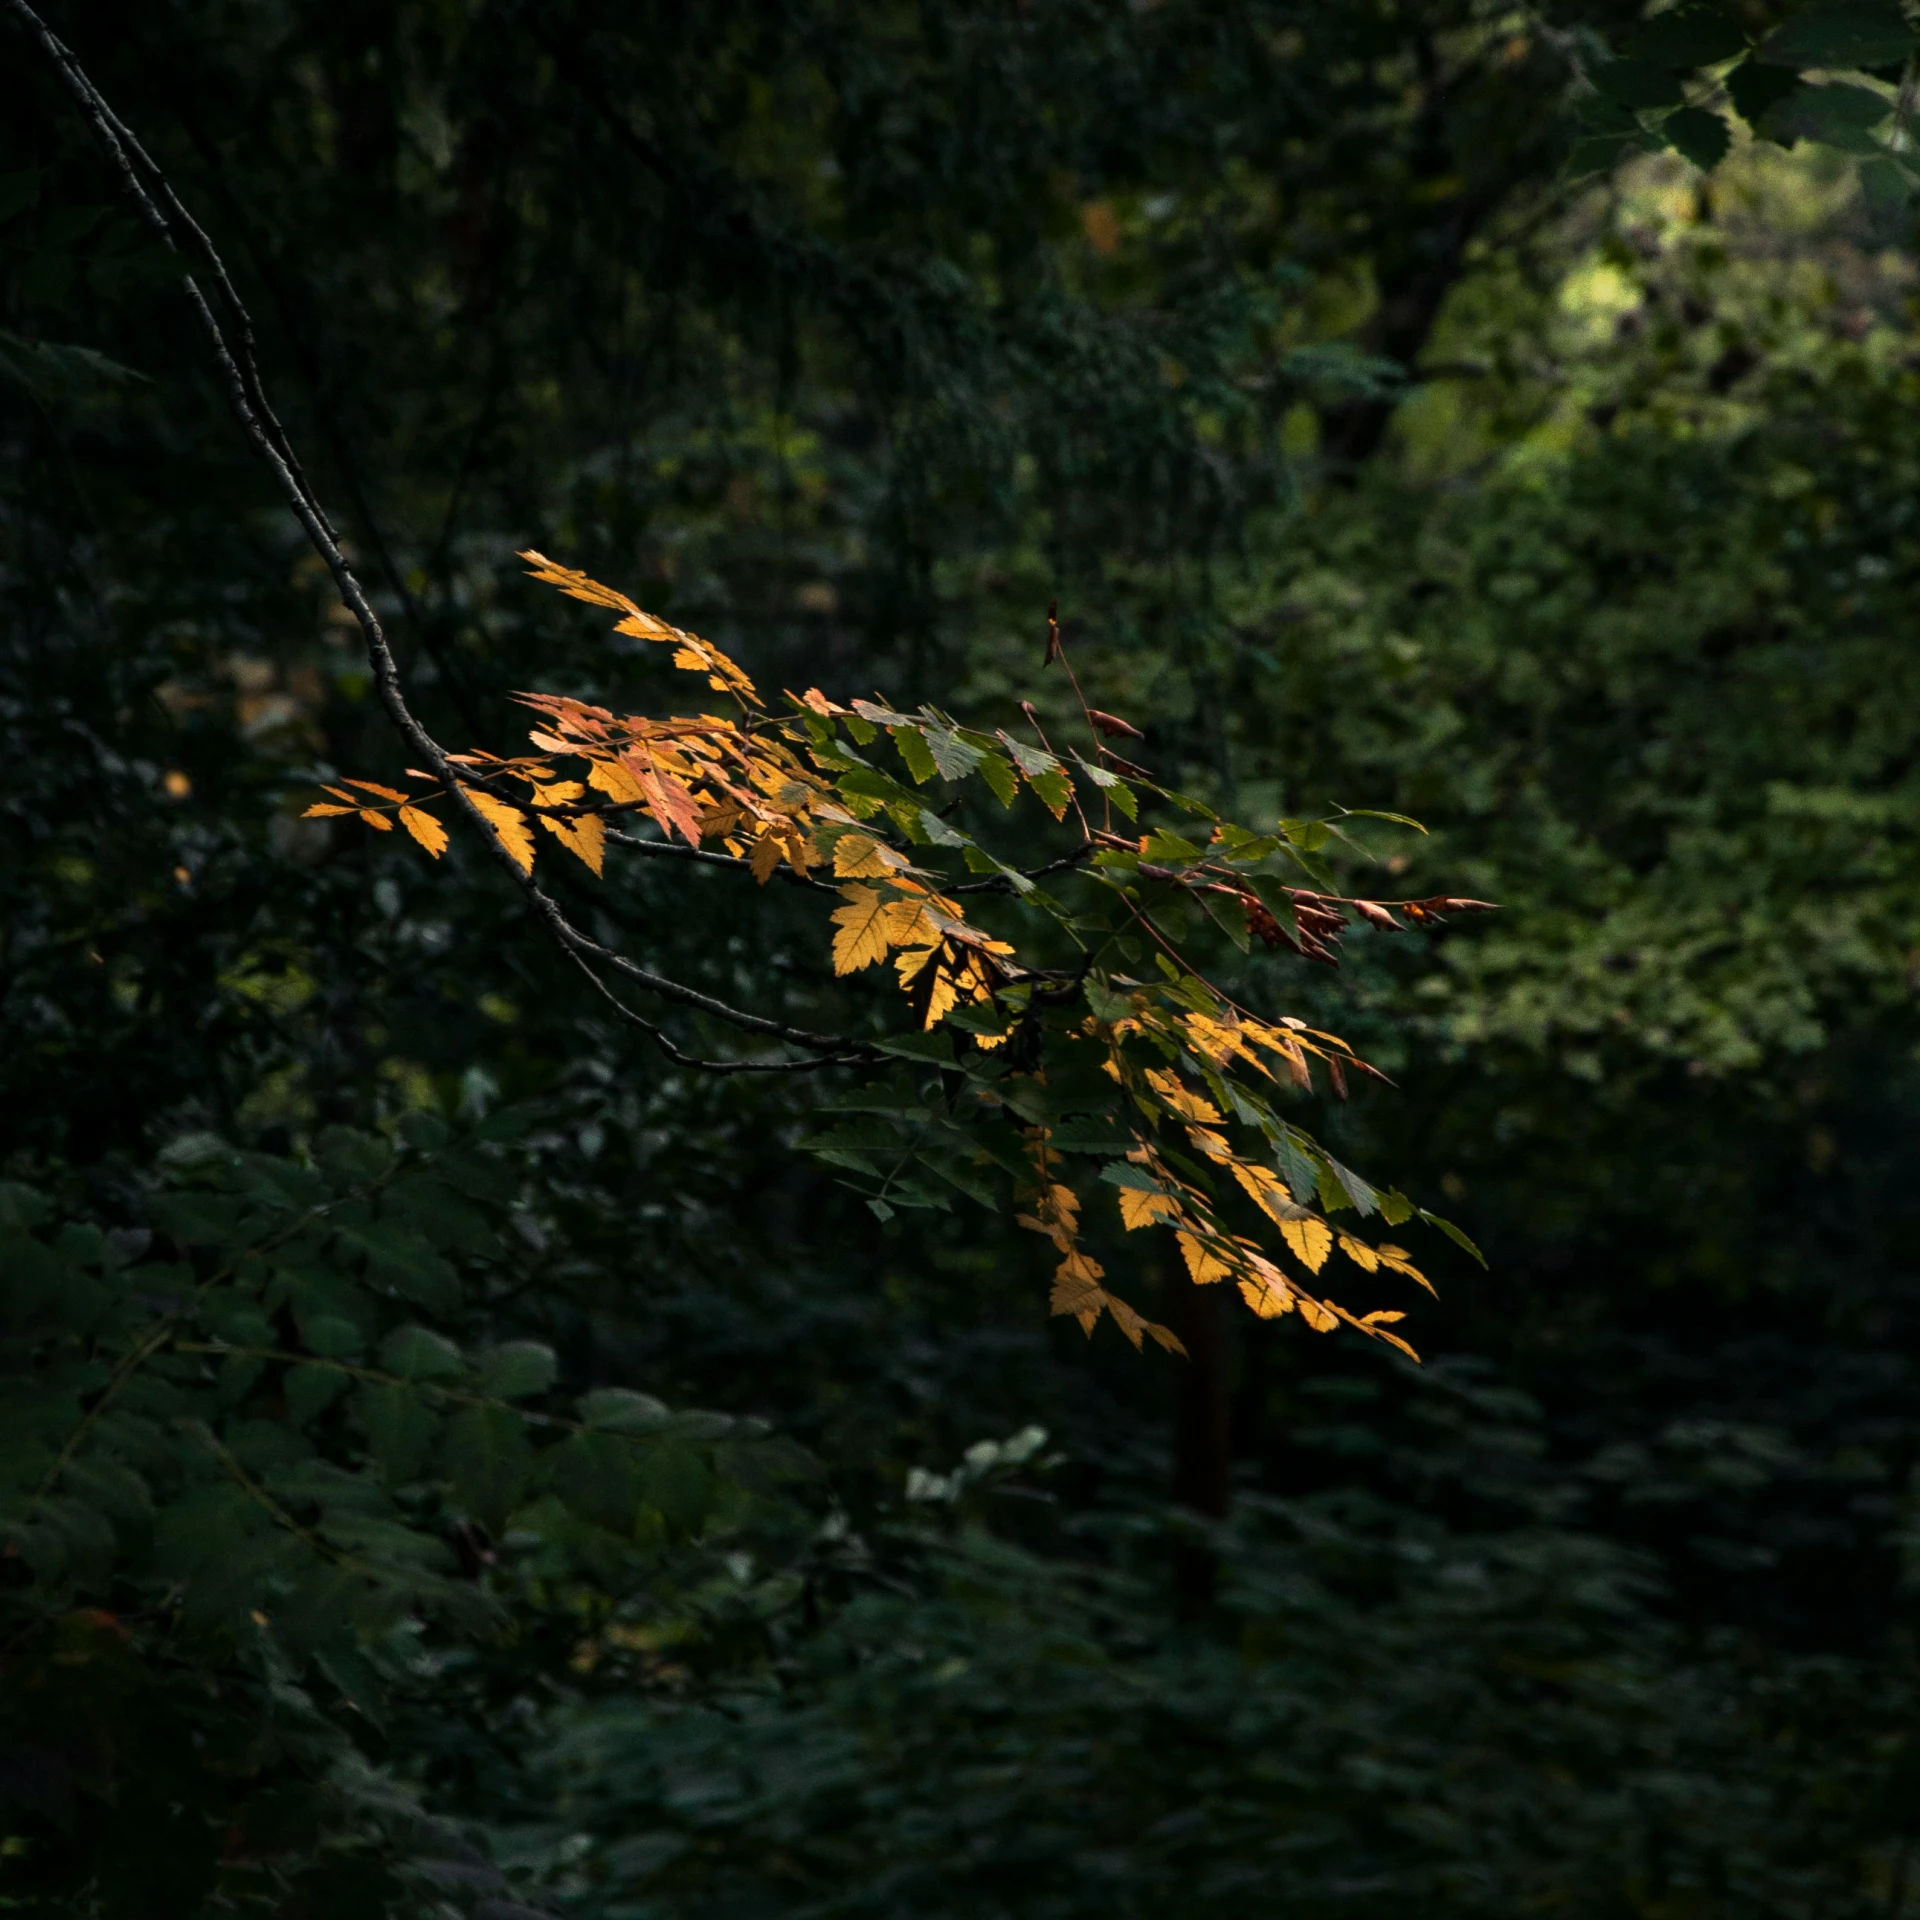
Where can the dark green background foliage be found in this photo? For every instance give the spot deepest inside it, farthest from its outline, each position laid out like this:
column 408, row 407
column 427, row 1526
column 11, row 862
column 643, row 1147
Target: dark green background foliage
column 359, row 1281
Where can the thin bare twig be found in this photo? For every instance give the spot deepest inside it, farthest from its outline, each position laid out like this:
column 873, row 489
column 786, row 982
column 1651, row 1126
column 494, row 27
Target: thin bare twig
column 228, row 328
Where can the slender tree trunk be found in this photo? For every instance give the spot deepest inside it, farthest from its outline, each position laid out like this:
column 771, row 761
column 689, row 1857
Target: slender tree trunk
column 1201, row 1447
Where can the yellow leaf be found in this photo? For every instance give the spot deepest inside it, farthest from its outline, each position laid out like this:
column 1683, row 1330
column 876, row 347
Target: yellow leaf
column 1379, row 1319
column 585, row 837
column 1266, row 1187
column 1319, row 1318
column 616, row 782
column 1265, row 1298
column 1311, row 1241
column 509, row 823
column 373, row 786
column 577, row 584
column 942, row 995
column 859, row 856
column 426, row 829
column 379, row 820
column 862, row 938
column 1141, row 1209
column 319, row 810
column 1189, row 1106
column 764, row 857
column 1362, row 1255
column 1396, row 1259
column 1077, row 1289
column 1203, row 1263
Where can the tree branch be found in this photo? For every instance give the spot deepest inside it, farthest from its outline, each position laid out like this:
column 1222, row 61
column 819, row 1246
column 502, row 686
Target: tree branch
column 233, row 353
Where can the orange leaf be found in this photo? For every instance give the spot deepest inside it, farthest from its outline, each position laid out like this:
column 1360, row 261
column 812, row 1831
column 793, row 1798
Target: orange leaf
column 586, row 838
column 378, row 820
column 508, row 823
column 426, row 829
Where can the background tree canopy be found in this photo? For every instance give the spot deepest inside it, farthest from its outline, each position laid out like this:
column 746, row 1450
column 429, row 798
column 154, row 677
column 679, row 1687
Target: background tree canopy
column 454, row 1459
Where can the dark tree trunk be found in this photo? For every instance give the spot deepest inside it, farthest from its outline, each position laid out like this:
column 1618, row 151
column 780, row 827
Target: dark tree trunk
column 1201, row 1445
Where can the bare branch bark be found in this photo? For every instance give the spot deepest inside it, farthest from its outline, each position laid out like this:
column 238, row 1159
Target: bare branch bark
column 228, row 328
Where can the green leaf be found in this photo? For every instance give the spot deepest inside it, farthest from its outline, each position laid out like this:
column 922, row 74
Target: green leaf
column 933, row 1049
column 914, row 751
column 405, row 1263
column 951, row 754
column 1839, row 116
column 517, row 1369
column 998, row 773
column 1638, row 84
column 619, row 1410
column 311, row 1390
column 107, row 1485
column 1230, row 916
column 1699, row 136
column 22, row 1208
column 399, row 1429
column 1053, row 787
column 1688, row 36
column 331, row 1336
column 1375, row 813
column 487, row 1458
column 1854, row 33
column 1170, row 849
column 1887, row 188
column 1274, row 896
column 1453, row 1233
column 1089, row 1136
column 415, row 1353
column 596, row 1475
column 1299, row 1168
column 1356, row 1190
column 675, row 1482
column 352, row 1156
column 1754, row 88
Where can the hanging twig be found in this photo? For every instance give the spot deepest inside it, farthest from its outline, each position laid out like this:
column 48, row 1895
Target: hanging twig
column 228, row 328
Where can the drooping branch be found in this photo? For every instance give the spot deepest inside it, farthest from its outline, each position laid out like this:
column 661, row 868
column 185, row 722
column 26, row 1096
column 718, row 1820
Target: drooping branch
column 223, row 319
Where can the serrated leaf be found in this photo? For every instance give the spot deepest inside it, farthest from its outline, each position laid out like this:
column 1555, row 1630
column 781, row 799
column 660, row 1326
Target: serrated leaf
column 953, row 756
column 585, row 838
column 1453, row 1233
column 913, row 749
column 1699, row 136
column 999, row 775
column 509, row 825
